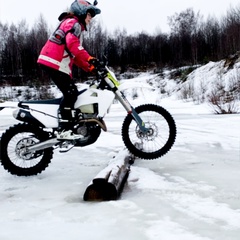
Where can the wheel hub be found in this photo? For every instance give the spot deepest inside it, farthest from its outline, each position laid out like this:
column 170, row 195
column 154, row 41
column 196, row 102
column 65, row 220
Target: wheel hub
column 150, row 134
column 22, row 148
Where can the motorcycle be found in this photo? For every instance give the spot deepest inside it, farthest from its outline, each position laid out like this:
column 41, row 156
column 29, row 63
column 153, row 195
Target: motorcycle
column 148, row 131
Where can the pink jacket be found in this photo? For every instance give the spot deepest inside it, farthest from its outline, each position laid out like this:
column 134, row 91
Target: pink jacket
column 64, row 48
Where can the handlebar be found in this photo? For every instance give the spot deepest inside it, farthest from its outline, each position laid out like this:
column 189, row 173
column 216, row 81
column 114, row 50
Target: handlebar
column 99, row 66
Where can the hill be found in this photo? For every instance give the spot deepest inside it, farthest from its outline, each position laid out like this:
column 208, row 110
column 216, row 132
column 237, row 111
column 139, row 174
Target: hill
column 216, row 83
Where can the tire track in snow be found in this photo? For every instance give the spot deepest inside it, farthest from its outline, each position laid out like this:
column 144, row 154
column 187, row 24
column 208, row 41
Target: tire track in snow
column 193, row 200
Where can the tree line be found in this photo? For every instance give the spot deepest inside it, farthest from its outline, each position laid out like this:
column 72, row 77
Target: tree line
column 191, row 40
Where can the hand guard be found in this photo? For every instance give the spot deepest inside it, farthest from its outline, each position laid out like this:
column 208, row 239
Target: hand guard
column 95, row 64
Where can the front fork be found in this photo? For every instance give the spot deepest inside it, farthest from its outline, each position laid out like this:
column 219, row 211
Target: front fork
column 123, row 100
column 130, row 110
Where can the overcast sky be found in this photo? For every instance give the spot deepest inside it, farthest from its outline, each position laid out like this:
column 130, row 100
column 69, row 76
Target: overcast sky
column 132, row 15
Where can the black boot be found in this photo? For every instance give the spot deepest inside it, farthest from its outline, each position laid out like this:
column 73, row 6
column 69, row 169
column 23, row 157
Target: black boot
column 66, row 119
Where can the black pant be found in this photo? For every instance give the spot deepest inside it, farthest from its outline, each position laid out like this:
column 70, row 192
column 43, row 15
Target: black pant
column 69, row 90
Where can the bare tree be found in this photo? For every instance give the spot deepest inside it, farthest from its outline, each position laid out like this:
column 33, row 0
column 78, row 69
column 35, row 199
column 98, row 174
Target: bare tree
column 184, row 27
column 231, row 30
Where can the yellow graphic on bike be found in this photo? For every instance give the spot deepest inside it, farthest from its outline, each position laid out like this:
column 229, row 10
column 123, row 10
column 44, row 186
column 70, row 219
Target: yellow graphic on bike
column 115, row 82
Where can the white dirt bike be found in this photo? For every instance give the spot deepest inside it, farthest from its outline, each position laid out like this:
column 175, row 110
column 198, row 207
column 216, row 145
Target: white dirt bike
column 148, row 131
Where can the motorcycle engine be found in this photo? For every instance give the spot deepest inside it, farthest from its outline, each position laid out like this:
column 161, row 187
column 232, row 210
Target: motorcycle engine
column 90, row 131
column 83, row 130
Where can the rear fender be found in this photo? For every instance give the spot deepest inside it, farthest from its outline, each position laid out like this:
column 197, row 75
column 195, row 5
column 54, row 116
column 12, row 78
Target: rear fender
column 34, row 112
column 4, row 105
column 43, row 114
column 25, row 116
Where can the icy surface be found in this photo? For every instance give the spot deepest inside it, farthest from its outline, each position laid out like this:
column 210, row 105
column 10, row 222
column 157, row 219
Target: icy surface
column 191, row 193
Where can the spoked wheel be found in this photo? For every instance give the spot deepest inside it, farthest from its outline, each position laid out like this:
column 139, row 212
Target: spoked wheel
column 15, row 156
column 159, row 137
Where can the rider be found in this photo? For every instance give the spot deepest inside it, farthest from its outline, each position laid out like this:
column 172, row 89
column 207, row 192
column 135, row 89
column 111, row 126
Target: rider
column 62, row 50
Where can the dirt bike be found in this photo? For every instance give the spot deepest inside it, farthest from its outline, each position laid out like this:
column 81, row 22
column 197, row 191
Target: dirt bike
column 148, row 131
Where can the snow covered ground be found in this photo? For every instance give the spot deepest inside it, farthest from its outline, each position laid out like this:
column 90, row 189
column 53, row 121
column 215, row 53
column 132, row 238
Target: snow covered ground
column 191, row 193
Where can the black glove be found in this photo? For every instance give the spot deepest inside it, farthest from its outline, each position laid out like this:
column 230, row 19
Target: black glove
column 99, row 66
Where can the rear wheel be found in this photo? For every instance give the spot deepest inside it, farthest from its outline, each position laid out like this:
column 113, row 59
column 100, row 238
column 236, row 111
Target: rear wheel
column 159, row 138
column 15, row 157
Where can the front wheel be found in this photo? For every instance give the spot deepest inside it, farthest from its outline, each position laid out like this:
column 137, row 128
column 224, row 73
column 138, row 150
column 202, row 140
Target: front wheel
column 15, row 157
column 160, row 135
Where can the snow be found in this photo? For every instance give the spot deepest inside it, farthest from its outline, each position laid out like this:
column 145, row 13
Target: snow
column 191, row 193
